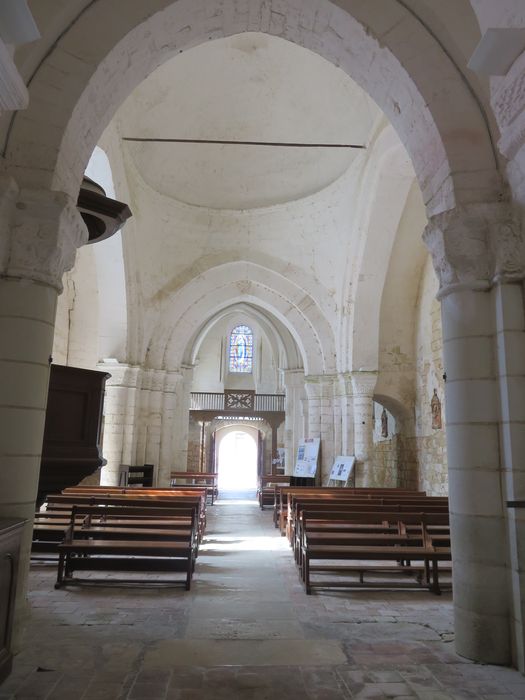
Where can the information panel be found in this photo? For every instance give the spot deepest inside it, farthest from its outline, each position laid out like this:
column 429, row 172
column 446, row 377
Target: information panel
column 307, row 455
column 342, row 468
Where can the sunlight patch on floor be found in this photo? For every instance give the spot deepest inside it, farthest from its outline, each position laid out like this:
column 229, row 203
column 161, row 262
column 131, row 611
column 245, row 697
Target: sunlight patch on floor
column 258, row 543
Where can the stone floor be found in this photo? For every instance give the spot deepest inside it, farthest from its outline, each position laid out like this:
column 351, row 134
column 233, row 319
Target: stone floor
column 246, row 630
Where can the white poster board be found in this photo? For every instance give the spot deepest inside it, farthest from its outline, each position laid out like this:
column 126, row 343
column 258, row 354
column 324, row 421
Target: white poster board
column 342, row 468
column 307, row 454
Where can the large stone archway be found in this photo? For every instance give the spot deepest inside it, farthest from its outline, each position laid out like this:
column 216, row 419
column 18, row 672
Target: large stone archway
column 49, row 145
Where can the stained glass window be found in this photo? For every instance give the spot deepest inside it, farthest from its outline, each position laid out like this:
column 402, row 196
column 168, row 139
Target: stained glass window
column 241, row 349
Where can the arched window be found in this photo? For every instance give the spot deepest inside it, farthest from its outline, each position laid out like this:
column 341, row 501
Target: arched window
column 241, row 349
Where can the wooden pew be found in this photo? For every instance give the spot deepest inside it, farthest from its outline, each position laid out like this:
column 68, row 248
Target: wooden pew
column 413, row 541
column 49, row 527
column 366, row 495
column 281, row 506
column 401, row 504
column 208, row 479
column 89, row 547
column 132, row 497
column 159, row 502
column 266, row 492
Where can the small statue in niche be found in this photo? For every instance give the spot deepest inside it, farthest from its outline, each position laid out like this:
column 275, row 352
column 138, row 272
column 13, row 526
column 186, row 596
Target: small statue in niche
column 435, row 406
column 384, row 424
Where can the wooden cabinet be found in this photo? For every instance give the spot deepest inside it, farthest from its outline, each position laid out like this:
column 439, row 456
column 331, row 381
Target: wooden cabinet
column 73, row 431
column 10, row 536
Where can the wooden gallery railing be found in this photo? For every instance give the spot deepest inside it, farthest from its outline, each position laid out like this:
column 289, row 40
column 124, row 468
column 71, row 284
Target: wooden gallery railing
column 237, row 400
column 207, row 405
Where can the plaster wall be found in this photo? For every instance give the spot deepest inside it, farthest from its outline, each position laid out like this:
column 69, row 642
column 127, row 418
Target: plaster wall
column 429, row 443
column 211, row 370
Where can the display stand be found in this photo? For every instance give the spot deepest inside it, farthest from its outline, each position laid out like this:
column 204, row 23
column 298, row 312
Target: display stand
column 305, row 470
column 342, row 473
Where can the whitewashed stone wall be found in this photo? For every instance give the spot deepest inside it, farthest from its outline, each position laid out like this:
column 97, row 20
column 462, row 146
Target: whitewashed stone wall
column 429, row 444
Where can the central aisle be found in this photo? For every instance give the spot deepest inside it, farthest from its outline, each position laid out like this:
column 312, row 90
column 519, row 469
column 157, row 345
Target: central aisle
column 246, row 630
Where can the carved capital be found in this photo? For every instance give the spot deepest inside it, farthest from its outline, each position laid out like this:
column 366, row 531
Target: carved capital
column 320, row 385
column 474, row 246
column 42, row 231
column 364, row 383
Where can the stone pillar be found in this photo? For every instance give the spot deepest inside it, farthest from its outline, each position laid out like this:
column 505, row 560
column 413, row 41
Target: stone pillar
column 363, row 385
column 510, row 341
column 181, row 419
column 476, row 250
column 313, row 393
column 154, row 418
column 40, row 232
column 346, row 400
column 320, row 392
column 293, row 428
column 119, row 418
column 167, row 438
column 141, row 417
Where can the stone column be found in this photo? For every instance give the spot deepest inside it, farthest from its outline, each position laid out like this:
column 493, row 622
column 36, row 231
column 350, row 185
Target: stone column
column 181, row 419
column 320, row 392
column 363, row 385
column 154, row 418
column 474, row 250
column 510, row 341
column 167, row 438
column 293, row 429
column 141, row 417
column 119, row 418
column 346, row 400
column 40, row 232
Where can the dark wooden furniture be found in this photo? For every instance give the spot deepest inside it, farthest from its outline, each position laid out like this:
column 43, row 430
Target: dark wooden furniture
column 98, row 546
column 399, row 549
column 136, row 476
column 267, row 492
column 208, row 479
column 72, row 434
column 10, row 536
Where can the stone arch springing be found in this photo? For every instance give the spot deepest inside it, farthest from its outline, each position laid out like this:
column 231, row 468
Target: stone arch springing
column 369, row 45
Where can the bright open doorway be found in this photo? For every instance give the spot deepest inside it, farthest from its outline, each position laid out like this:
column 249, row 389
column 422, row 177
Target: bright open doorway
column 237, row 464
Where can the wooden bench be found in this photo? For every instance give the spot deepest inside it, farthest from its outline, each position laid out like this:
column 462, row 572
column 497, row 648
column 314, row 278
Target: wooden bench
column 281, row 506
column 196, row 501
column 413, row 541
column 266, row 492
column 49, row 527
column 352, row 506
column 89, row 547
column 208, row 479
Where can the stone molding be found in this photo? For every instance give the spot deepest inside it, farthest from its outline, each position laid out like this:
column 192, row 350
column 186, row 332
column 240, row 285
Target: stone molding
column 122, row 375
column 364, row 383
column 42, row 231
column 320, row 386
column 476, row 246
column 293, row 378
column 13, row 92
column 344, row 387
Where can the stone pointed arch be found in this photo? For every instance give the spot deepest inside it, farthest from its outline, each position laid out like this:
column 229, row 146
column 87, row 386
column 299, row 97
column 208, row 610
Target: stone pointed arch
column 237, row 282
column 382, row 45
column 275, row 332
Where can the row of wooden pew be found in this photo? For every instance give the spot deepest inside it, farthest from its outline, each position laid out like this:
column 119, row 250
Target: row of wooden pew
column 267, row 489
column 197, row 480
column 121, row 529
column 344, row 532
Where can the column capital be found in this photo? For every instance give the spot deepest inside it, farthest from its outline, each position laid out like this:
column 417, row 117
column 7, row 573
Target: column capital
column 364, row 383
column 319, row 385
column 121, row 374
column 41, row 231
column 344, row 384
column 293, row 377
column 475, row 246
